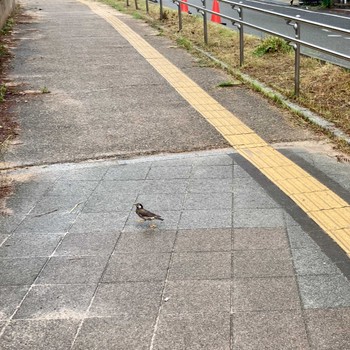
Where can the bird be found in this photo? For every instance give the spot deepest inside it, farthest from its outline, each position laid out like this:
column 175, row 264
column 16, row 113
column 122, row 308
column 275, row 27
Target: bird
column 146, row 215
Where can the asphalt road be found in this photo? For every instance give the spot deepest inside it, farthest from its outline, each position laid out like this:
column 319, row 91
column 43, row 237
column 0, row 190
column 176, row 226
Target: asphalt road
column 323, row 37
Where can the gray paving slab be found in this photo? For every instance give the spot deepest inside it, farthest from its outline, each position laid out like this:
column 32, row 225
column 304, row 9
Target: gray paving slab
column 87, row 244
column 106, row 333
column 146, row 242
column 215, row 218
column 93, row 173
column 20, row 271
column 47, row 222
column 162, row 201
column 127, row 172
column 298, row 238
column 262, row 263
column 188, row 297
column 269, row 330
column 91, row 222
column 109, row 202
column 259, row 238
column 81, row 189
column 137, row 267
column 57, row 302
column 64, row 204
column 161, row 173
column 29, row 245
column 137, row 300
column 324, row 291
column 265, row 294
column 9, row 223
column 258, row 217
column 73, row 269
column 202, row 332
column 252, row 198
column 203, row 201
column 212, row 172
column 10, row 299
column 312, row 262
column 200, row 266
column 49, row 334
column 328, row 329
column 17, row 205
column 210, row 186
column 164, row 186
column 123, row 186
column 200, row 240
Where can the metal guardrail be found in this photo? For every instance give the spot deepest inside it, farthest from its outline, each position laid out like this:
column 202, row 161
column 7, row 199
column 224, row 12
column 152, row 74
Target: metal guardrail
column 294, row 21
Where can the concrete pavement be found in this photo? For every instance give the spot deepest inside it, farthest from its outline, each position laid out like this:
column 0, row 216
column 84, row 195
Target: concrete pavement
column 235, row 264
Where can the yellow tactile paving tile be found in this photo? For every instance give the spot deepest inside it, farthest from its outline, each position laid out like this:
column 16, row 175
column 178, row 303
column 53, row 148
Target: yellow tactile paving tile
column 245, row 140
column 234, row 129
column 332, row 219
column 342, row 236
column 326, row 208
column 315, row 201
column 286, row 172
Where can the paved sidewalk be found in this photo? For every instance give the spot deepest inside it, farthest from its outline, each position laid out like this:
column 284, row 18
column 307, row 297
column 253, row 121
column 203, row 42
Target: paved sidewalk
column 229, row 267
column 234, row 265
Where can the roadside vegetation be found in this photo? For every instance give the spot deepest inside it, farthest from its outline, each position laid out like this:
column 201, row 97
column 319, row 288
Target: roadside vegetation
column 7, row 124
column 324, row 87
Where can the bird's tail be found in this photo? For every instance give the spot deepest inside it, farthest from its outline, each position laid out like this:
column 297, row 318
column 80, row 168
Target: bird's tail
column 159, row 218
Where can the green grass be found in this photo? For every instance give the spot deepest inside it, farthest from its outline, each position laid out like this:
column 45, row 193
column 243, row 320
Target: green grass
column 45, row 90
column 272, row 44
column 8, row 26
column 226, row 84
column 184, row 42
column 2, row 93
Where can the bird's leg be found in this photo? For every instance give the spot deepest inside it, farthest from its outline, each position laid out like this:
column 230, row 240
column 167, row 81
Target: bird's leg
column 153, row 226
column 140, row 221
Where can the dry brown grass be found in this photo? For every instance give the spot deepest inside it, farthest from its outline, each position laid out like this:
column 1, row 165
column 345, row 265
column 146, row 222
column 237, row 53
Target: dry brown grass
column 324, row 89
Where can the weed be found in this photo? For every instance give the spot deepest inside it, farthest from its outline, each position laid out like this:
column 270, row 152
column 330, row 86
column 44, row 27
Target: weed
column 184, row 42
column 2, row 93
column 3, row 50
column 165, row 16
column 227, row 83
column 137, row 15
column 45, row 90
column 272, row 44
column 8, row 26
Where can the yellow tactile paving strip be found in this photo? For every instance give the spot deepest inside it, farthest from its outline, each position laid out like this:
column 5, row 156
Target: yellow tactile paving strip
column 327, row 209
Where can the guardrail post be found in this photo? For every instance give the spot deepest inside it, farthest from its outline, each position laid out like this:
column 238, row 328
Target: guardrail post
column 239, row 26
column 297, row 60
column 205, row 22
column 296, row 47
column 180, row 16
column 161, row 9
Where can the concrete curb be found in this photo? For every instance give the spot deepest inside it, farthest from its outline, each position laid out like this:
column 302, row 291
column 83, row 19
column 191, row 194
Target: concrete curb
column 6, row 7
column 305, row 113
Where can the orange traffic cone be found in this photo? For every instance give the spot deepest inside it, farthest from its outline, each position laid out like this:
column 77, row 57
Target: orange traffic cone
column 216, row 8
column 184, row 7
